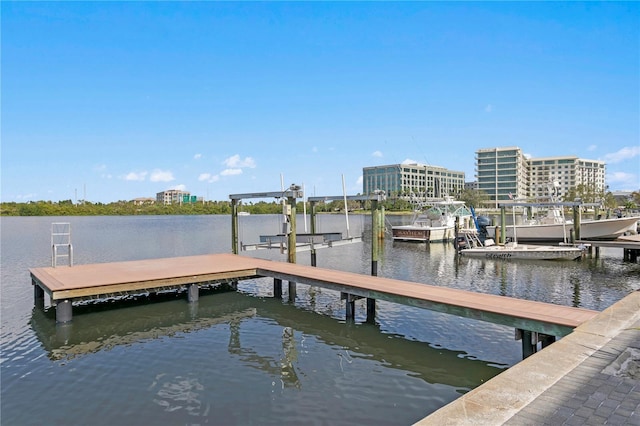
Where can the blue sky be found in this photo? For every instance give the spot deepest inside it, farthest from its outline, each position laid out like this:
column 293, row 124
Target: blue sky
column 119, row 100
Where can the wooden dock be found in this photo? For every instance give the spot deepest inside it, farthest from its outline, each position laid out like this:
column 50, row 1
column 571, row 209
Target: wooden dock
column 630, row 244
column 64, row 285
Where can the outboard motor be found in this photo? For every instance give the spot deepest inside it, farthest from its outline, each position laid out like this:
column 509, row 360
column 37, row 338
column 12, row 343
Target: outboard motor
column 483, row 222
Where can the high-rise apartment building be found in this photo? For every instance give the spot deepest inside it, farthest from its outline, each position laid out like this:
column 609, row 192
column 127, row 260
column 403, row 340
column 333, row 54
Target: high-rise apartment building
column 413, row 180
column 567, row 172
column 502, row 173
column 505, row 173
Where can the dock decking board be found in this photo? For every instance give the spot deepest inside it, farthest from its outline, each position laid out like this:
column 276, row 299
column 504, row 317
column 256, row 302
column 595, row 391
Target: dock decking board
column 68, row 283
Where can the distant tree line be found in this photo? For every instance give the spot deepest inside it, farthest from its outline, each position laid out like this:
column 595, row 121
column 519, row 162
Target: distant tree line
column 474, row 198
column 129, row 208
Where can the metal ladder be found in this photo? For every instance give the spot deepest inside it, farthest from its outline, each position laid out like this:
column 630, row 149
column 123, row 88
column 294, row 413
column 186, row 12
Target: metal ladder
column 61, row 240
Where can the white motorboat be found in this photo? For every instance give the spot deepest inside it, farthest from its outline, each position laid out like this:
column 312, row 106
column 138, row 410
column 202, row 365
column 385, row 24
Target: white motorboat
column 513, row 250
column 435, row 224
column 554, row 228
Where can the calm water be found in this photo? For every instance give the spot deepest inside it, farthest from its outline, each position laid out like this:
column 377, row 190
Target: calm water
column 245, row 358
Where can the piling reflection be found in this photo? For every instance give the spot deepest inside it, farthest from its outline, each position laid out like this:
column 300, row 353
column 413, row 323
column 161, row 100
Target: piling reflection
column 97, row 331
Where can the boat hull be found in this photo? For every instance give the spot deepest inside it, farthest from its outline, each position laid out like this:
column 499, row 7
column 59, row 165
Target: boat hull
column 604, row 229
column 423, row 234
column 524, row 252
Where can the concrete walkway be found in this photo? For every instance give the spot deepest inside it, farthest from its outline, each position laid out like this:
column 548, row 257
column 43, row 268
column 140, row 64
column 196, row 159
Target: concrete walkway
column 590, row 377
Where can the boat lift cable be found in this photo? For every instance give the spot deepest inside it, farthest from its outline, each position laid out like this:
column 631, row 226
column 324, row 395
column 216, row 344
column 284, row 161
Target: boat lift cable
column 346, row 209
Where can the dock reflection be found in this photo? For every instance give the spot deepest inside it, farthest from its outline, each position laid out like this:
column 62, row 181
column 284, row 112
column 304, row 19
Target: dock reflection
column 96, row 331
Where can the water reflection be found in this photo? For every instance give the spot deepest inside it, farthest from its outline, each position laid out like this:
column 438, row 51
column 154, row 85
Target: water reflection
column 91, row 332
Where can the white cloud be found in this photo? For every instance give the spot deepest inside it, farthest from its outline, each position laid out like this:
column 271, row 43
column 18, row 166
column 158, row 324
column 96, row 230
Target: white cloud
column 197, row 156
column 377, row 154
column 409, row 161
column 26, row 196
column 235, row 162
column 161, row 176
column 179, row 187
column 626, row 153
column 622, row 181
column 488, row 108
column 231, row 172
column 359, row 181
column 619, row 177
column 208, row 177
column 136, row 176
column 592, row 147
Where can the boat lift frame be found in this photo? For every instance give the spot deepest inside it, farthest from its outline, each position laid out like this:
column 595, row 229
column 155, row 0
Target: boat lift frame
column 291, row 194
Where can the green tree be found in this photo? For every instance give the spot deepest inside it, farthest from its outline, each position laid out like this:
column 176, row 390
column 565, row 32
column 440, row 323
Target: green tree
column 473, row 197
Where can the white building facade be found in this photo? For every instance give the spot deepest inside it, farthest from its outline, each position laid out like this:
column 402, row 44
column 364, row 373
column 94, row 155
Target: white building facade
column 418, row 181
column 505, row 173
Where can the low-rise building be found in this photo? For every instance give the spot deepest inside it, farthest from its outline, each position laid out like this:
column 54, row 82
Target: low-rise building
column 416, row 181
column 172, row 196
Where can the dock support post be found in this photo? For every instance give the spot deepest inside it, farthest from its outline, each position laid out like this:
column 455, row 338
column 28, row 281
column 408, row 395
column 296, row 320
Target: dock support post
column 529, row 342
column 277, row 288
column 192, row 293
column 350, row 313
column 371, row 310
column 64, row 311
column 38, row 296
column 292, row 291
column 546, row 340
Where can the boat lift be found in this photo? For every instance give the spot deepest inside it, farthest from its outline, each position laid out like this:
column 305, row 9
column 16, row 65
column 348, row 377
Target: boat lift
column 289, row 226
column 289, row 237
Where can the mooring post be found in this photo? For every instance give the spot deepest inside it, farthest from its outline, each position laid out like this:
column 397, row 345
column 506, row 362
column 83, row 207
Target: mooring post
column 291, row 242
column 192, row 293
column 503, row 225
column 576, row 222
column 377, row 234
column 234, row 226
column 38, row 295
column 375, row 237
column 64, row 311
column 313, row 232
column 277, row 288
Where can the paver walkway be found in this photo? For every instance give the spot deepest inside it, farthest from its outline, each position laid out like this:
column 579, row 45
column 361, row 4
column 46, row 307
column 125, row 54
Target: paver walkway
column 604, row 389
column 590, row 377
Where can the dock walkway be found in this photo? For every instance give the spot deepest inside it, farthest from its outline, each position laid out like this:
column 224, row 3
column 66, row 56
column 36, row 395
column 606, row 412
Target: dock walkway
column 65, row 285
